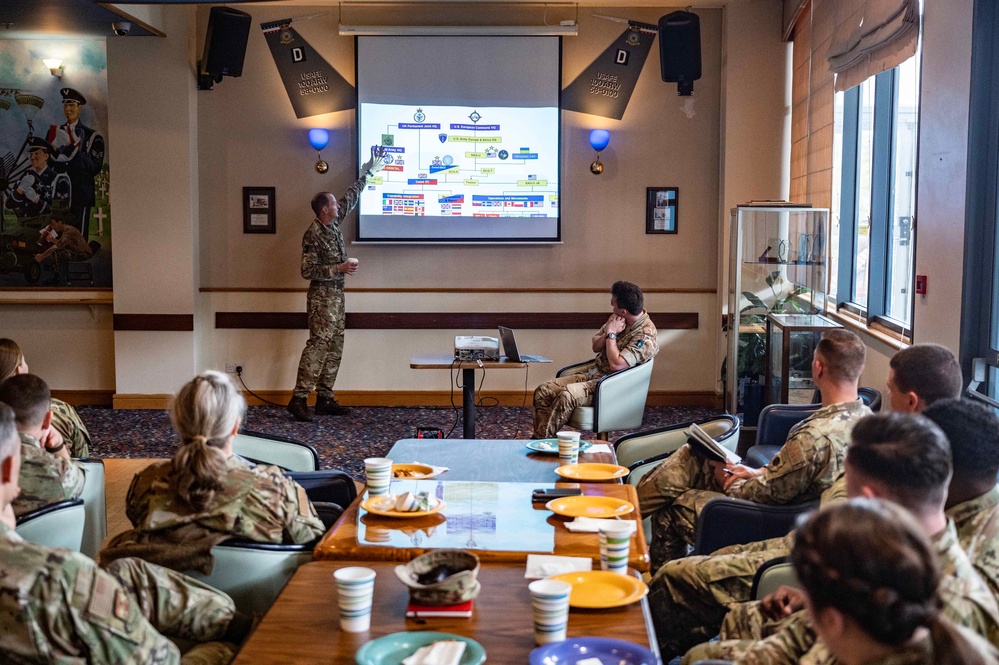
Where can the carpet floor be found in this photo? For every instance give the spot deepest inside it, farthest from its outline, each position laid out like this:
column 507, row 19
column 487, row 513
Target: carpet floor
column 344, row 441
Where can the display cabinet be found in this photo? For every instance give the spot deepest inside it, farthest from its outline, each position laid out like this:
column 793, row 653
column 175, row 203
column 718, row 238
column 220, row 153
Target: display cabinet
column 778, row 264
column 791, row 341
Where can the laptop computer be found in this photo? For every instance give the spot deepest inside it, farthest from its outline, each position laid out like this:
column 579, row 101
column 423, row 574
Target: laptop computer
column 511, row 351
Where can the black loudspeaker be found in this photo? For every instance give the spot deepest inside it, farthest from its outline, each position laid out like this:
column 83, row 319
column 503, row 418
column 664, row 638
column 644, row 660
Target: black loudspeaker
column 680, row 50
column 225, row 43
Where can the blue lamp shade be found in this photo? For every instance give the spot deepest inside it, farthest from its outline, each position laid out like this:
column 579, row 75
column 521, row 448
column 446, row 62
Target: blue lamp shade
column 599, row 138
column 320, row 138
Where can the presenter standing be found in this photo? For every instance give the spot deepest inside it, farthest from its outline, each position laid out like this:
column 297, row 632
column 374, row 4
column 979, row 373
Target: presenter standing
column 324, row 263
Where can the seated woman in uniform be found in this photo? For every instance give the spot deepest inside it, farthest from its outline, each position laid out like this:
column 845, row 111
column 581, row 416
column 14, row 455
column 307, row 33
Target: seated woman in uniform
column 871, row 581
column 64, row 417
column 183, row 507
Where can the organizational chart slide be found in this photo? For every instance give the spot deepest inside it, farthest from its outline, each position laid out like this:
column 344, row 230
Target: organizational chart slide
column 444, row 161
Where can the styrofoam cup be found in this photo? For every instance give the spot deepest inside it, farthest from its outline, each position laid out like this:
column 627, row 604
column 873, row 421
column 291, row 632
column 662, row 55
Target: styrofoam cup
column 550, row 609
column 355, row 588
column 378, row 475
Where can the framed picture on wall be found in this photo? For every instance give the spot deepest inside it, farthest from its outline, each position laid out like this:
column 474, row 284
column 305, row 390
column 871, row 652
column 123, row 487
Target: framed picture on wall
column 660, row 209
column 259, row 210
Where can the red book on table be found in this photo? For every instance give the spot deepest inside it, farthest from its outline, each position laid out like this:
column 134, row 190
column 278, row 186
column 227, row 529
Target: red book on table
column 415, row 610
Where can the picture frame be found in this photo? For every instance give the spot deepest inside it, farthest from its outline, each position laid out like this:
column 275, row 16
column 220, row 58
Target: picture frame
column 259, row 210
column 661, row 209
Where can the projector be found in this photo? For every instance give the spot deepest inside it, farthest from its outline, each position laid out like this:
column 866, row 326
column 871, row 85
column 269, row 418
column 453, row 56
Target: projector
column 475, row 347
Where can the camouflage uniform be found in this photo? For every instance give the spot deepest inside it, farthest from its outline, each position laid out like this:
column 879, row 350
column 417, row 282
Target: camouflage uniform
column 70, row 246
column 807, row 464
column 57, row 606
column 555, row 400
column 67, row 422
column 45, row 478
column 977, row 523
column 258, row 503
column 689, row 597
column 968, row 602
column 322, row 251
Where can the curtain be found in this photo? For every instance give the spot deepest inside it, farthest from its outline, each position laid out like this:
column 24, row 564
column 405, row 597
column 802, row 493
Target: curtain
column 869, row 37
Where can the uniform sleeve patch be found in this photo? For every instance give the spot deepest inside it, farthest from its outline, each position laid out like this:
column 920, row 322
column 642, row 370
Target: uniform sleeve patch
column 102, row 601
column 122, row 605
column 303, row 502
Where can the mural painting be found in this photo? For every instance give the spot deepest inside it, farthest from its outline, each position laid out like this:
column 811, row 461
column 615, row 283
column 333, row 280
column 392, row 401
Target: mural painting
column 55, row 213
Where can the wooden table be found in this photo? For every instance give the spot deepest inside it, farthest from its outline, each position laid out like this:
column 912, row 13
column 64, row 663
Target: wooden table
column 495, row 520
column 442, row 361
column 303, row 625
column 497, row 460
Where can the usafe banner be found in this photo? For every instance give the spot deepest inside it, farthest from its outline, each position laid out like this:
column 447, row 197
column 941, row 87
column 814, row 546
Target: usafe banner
column 604, row 88
column 313, row 86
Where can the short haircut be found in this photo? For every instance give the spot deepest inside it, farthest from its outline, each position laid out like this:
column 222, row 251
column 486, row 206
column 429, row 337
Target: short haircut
column 844, row 354
column 29, row 396
column 973, row 432
column 319, row 201
column 629, row 296
column 929, row 370
column 9, row 440
column 905, row 453
column 59, row 215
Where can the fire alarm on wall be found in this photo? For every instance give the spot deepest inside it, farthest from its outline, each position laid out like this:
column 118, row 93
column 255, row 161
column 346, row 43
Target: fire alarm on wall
column 921, row 285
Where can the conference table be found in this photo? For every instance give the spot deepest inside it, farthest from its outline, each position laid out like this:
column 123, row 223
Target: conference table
column 468, row 367
column 303, row 624
column 496, row 460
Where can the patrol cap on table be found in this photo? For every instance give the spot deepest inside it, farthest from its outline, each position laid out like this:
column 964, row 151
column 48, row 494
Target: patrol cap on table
column 38, row 143
column 71, row 95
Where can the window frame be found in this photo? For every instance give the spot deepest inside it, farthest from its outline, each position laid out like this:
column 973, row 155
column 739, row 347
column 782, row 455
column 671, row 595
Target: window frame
column 886, row 91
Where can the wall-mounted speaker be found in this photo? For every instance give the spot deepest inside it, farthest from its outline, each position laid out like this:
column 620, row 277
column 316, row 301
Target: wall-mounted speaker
column 225, row 45
column 680, row 50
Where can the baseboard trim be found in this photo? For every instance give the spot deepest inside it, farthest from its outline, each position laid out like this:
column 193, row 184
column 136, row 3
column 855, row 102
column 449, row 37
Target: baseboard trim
column 437, row 398
column 85, row 397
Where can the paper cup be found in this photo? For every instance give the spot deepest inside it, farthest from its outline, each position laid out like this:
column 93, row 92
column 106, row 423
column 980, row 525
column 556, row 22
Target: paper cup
column 378, row 474
column 615, row 544
column 568, row 448
column 355, row 588
column 353, row 261
column 550, row 608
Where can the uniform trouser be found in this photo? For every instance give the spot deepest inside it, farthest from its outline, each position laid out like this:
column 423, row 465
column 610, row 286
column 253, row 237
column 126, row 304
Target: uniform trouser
column 62, row 256
column 689, row 597
column 555, row 400
column 673, row 494
column 320, row 360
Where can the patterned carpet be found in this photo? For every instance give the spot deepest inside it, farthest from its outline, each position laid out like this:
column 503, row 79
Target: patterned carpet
column 343, row 442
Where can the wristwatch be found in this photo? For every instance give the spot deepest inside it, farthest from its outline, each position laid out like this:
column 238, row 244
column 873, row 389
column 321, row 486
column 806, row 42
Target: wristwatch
column 611, row 335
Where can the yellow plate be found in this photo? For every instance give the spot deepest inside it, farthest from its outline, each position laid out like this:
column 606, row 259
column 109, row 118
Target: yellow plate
column 412, row 471
column 367, row 505
column 591, row 471
column 590, row 506
column 600, row 588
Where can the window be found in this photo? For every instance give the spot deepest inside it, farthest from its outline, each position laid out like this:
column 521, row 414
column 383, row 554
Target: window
column 876, row 190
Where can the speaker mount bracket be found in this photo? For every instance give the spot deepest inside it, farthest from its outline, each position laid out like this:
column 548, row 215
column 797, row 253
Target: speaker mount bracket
column 204, row 79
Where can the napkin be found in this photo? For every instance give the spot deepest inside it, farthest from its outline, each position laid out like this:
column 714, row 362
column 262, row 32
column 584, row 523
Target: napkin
column 544, row 565
column 445, row 652
column 598, row 448
column 592, row 524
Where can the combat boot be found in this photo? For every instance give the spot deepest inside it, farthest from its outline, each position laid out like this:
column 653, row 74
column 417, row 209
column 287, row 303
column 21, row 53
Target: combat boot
column 327, row 406
column 299, row 408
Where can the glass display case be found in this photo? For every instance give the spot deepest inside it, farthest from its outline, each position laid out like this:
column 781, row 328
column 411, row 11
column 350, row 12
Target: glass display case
column 791, row 341
column 778, row 264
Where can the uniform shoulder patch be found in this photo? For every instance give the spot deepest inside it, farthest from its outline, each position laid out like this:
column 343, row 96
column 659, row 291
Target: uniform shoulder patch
column 122, row 605
column 303, row 503
column 102, row 600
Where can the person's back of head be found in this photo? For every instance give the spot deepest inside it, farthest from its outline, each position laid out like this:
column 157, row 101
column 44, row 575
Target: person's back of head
column 10, row 448
column 206, row 413
column 870, row 562
column 973, row 432
column 904, row 457
column 10, row 442
column 10, row 358
column 842, row 355
column 29, row 397
column 922, row 374
column 629, row 297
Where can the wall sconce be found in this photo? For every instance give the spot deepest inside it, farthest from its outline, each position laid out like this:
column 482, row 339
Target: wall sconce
column 54, row 65
column 319, row 139
column 599, row 138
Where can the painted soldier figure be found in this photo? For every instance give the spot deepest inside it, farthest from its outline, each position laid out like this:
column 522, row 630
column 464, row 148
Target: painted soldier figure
column 79, row 153
column 324, row 263
column 41, row 185
column 69, row 246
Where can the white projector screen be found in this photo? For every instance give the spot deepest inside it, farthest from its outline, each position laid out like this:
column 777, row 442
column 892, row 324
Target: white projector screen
column 472, row 130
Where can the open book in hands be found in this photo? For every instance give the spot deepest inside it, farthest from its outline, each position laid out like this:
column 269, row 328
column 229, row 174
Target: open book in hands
column 708, row 447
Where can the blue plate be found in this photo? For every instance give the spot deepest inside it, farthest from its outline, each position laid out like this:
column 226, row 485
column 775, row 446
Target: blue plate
column 392, row 649
column 550, row 446
column 608, row 651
